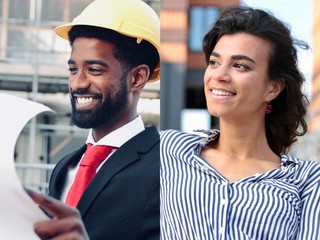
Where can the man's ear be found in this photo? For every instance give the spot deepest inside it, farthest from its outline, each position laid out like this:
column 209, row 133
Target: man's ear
column 275, row 87
column 139, row 77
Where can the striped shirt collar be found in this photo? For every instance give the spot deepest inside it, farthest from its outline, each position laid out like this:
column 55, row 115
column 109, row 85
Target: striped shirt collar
column 211, row 135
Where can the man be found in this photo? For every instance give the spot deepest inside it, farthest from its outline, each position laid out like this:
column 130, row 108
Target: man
column 115, row 51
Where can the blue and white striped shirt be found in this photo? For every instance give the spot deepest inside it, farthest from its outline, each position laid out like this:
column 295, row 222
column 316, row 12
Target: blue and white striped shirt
column 197, row 202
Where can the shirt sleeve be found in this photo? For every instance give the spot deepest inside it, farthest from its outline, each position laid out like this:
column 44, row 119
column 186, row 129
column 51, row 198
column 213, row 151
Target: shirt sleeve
column 310, row 211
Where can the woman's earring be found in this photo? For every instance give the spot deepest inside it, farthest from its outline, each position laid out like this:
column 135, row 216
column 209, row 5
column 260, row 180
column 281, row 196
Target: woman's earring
column 269, row 108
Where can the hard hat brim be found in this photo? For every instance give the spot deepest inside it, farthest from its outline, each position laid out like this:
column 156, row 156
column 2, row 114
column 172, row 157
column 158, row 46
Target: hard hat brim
column 132, row 18
column 63, row 31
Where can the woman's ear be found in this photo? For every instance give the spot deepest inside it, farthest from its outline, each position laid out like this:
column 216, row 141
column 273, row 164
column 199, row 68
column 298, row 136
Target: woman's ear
column 139, row 77
column 275, row 87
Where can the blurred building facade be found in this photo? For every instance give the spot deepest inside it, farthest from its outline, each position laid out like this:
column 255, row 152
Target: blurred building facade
column 315, row 104
column 183, row 24
column 308, row 147
column 33, row 65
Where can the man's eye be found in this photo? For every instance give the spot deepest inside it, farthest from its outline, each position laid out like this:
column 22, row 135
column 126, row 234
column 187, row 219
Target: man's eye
column 95, row 70
column 72, row 70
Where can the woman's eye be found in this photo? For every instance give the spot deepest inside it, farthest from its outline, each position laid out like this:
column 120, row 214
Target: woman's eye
column 241, row 66
column 213, row 62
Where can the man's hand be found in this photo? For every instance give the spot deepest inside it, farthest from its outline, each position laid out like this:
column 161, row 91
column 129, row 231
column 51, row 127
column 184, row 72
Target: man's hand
column 66, row 221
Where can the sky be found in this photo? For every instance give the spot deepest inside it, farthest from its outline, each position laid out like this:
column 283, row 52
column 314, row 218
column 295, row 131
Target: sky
column 298, row 15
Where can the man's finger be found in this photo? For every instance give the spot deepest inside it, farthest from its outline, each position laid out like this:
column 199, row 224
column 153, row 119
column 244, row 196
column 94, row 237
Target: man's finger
column 52, row 206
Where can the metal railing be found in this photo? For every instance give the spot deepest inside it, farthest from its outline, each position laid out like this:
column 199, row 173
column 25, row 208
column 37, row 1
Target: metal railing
column 35, row 175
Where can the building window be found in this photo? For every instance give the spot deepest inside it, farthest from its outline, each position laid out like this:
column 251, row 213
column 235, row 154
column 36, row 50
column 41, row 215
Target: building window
column 52, row 10
column 1, row 8
column 200, row 21
column 19, row 9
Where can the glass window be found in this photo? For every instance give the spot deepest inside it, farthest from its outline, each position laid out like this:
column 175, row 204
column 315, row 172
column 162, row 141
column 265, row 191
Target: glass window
column 1, row 3
column 45, row 39
column 19, row 9
column 52, row 10
column 20, row 41
column 200, row 20
column 20, row 38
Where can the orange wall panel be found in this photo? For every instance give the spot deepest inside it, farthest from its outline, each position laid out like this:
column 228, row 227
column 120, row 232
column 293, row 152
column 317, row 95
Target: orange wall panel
column 315, row 102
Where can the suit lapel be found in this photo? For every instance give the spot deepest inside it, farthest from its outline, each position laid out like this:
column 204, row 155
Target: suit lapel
column 124, row 156
column 59, row 175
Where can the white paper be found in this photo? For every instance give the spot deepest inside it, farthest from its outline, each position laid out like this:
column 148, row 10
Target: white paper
column 18, row 210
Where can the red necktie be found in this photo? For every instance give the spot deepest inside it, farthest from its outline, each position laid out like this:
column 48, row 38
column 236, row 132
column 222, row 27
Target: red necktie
column 87, row 170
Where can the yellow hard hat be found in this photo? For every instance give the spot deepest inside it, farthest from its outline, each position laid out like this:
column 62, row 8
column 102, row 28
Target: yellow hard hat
column 133, row 18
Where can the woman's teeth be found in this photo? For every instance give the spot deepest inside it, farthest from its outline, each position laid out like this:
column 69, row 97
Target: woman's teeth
column 222, row 93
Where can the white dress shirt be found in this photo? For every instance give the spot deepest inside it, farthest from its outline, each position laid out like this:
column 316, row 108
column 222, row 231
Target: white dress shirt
column 116, row 139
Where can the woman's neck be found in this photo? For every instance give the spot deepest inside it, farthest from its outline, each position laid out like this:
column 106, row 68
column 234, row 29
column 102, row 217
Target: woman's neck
column 245, row 140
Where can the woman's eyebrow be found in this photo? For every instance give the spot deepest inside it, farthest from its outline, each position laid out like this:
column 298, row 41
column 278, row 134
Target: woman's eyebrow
column 234, row 57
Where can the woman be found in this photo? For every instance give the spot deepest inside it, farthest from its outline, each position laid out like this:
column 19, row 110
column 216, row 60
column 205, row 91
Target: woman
column 239, row 182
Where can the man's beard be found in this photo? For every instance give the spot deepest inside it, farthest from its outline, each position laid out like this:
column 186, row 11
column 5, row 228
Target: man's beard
column 106, row 111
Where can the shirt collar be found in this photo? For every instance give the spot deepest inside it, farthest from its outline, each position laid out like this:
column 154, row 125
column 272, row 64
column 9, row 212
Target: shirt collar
column 212, row 135
column 288, row 160
column 121, row 135
column 208, row 136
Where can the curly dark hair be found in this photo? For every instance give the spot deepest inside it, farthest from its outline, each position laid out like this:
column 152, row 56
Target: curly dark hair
column 286, row 121
column 126, row 51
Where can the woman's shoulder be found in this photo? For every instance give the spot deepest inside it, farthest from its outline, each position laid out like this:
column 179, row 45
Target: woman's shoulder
column 306, row 171
column 312, row 167
column 309, row 175
column 196, row 135
column 305, row 165
column 183, row 141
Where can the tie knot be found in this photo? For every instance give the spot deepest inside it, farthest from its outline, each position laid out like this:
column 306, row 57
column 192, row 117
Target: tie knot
column 94, row 155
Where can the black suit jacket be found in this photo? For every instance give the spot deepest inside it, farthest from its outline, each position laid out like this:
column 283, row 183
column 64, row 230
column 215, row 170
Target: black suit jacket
column 122, row 201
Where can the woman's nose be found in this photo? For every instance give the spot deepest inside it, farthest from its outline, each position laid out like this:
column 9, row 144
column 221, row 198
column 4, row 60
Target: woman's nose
column 220, row 73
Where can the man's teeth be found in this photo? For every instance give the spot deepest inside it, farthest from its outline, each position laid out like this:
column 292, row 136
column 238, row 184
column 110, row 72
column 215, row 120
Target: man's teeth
column 83, row 100
column 222, row 93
